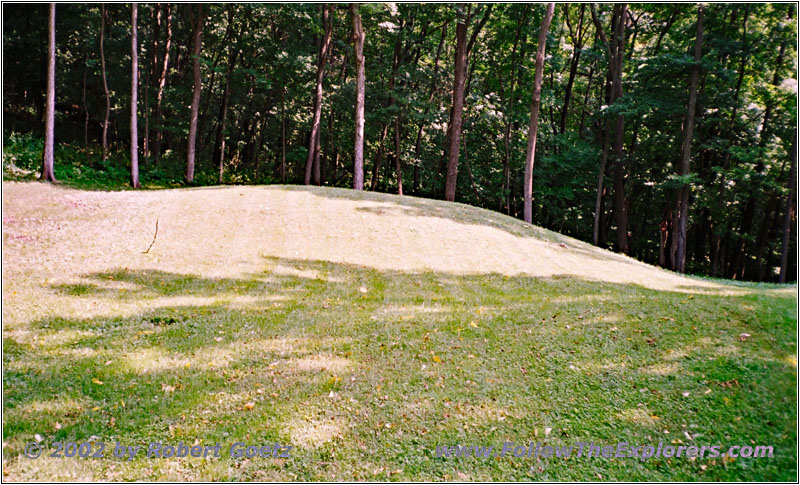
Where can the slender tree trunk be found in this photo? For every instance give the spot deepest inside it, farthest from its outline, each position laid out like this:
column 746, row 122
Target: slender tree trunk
column 577, row 48
column 105, row 82
column 508, row 110
column 417, row 144
column 48, row 173
column 620, row 203
column 325, row 160
column 134, row 97
column 787, row 217
column 85, row 109
column 682, row 208
column 146, row 138
column 317, row 105
column 283, row 135
column 458, row 101
column 397, row 158
column 152, row 75
column 234, row 53
column 530, row 154
column 358, row 155
column 584, row 111
column 598, row 203
column 317, row 171
column 191, row 146
column 162, row 82
column 378, row 159
column 615, row 48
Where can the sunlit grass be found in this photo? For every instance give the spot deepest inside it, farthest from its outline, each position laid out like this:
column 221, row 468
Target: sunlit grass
column 365, row 330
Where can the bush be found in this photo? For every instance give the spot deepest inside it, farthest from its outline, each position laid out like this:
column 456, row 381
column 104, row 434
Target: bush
column 22, row 155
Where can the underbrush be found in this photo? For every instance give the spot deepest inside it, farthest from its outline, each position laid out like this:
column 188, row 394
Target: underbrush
column 84, row 168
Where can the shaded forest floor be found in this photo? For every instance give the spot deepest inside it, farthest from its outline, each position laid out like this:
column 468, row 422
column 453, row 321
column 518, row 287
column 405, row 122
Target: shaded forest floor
column 366, row 329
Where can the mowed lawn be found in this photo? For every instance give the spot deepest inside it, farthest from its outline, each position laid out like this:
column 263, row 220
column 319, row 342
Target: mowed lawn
column 365, row 330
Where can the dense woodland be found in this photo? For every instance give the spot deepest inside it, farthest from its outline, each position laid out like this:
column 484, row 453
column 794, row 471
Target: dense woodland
column 664, row 131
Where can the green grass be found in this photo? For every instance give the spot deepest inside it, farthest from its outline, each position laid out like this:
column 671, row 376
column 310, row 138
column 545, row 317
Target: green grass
column 365, row 330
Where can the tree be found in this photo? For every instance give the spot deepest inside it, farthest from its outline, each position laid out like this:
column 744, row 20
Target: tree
column 313, row 151
column 456, row 114
column 615, row 50
column 358, row 151
column 191, row 146
column 534, row 124
column 577, row 48
column 682, row 207
column 134, row 98
column 594, row 180
column 434, row 88
column 787, row 216
column 737, row 268
column 105, row 81
column 162, row 81
column 233, row 53
column 48, row 174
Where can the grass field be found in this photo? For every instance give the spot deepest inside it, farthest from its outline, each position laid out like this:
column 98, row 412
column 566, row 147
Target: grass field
column 365, row 330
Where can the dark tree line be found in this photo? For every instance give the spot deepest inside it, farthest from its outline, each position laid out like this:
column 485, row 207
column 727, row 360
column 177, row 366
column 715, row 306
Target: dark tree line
column 664, row 131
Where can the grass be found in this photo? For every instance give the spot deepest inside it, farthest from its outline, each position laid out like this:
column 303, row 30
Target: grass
column 365, row 330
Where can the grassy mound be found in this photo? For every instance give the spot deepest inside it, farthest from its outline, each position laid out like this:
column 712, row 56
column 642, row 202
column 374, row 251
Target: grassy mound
column 365, row 330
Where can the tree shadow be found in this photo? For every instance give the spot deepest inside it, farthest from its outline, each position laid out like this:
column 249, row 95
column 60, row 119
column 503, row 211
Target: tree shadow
column 366, row 370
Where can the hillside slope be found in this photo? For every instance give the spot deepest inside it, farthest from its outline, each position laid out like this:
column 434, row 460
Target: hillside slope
column 365, row 330
column 230, row 229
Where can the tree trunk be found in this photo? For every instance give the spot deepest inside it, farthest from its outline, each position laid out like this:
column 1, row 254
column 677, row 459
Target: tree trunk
column 283, row 135
column 417, row 144
column 317, row 172
column 378, row 160
column 787, row 217
column 577, row 47
column 162, row 81
column 398, row 163
column 134, row 97
column 620, row 208
column 317, row 105
column 615, row 51
column 48, row 173
column 530, row 155
column 358, row 155
column 191, row 145
column 85, row 108
column 233, row 54
column 682, row 208
column 456, row 114
column 584, row 111
column 598, row 203
column 508, row 110
column 105, row 82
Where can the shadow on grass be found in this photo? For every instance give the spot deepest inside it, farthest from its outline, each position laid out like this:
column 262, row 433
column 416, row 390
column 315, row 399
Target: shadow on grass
column 365, row 372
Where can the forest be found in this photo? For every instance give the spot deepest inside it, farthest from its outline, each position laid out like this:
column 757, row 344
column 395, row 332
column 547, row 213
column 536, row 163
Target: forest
column 666, row 132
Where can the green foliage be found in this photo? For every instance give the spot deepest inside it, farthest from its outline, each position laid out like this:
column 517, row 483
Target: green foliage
column 22, row 153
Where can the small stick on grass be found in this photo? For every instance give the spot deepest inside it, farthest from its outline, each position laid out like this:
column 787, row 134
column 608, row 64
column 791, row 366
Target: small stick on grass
column 154, row 239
